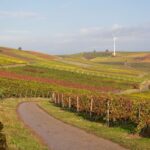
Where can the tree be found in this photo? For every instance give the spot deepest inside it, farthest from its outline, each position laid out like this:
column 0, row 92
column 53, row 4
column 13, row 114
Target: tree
column 107, row 50
column 20, row 48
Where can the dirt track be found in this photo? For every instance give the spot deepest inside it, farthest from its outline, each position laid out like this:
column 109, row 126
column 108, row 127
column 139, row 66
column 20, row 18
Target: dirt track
column 58, row 135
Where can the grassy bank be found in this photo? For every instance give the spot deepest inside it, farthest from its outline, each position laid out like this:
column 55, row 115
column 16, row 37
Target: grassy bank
column 17, row 135
column 117, row 134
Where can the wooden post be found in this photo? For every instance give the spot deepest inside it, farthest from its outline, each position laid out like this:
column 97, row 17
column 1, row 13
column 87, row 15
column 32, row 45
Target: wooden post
column 8, row 95
column 38, row 93
column 78, row 104
column 48, row 94
column 91, row 107
column 139, row 112
column 17, row 94
column 20, row 94
column 108, row 112
column 35, row 93
column 69, row 102
column 62, row 100
column 43, row 95
column 31, row 94
column 26, row 93
column 58, row 98
column 55, row 98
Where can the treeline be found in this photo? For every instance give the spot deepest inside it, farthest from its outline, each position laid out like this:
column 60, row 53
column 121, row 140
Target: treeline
column 94, row 54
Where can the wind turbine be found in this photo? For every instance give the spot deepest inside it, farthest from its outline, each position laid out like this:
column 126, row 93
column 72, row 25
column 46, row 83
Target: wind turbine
column 114, row 39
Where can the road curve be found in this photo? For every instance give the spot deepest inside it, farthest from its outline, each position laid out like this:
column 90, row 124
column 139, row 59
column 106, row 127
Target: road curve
column 58, row 135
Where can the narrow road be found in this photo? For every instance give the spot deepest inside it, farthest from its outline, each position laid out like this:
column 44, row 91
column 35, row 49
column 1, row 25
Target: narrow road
column 58, row 135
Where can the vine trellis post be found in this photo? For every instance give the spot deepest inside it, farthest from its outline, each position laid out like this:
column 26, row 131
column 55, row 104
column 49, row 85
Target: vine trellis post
column 69, row 102
column 62, row 100
column 91, row 107
column 108, row 112
column 78, row 104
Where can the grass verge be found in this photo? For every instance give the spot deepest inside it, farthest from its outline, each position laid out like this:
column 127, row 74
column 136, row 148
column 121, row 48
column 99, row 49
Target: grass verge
column 17, row 135
column 118, row 135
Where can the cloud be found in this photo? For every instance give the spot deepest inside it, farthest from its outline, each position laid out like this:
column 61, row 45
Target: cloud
column 18, row 14
column 99, row 38
column 103, row 33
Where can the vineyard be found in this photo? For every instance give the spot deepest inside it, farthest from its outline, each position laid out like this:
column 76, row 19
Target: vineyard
column 23, row 88
column 90, row 85
column 88, row 80
column 111, row 109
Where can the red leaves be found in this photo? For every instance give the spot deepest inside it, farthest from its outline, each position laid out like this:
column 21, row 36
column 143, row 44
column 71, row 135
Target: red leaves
column 12, row 75
column 121, row 109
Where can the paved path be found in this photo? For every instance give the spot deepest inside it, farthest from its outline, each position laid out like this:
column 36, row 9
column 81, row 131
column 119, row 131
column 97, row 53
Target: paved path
column 58, row 135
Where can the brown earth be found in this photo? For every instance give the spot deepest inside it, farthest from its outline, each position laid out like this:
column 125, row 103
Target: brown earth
column 45, row 56
column 145, row 58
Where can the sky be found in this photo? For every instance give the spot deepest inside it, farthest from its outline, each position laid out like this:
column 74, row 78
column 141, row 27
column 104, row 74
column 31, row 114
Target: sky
column 72, row 26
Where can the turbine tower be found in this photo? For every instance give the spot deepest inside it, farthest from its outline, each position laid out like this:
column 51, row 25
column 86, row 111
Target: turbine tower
column 114, row 53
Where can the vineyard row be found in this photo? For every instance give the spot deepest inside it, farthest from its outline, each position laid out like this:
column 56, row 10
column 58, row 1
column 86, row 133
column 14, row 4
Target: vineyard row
column 112, row 109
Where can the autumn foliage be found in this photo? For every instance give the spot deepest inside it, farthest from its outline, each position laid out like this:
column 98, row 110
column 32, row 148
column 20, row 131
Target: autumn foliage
column 110, row 109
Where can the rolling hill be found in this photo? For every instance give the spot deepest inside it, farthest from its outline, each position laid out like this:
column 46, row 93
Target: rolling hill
column 110, row 90
column 97, row 71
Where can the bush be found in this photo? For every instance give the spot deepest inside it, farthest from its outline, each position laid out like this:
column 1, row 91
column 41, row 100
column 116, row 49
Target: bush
column 3, row 144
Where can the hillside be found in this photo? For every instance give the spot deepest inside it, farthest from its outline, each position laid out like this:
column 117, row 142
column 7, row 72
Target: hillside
column 97, row 71
column 103, row 90
column 14, row 56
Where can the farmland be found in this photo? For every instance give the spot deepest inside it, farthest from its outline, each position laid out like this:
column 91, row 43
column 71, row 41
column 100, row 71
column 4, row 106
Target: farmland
column 90, row 75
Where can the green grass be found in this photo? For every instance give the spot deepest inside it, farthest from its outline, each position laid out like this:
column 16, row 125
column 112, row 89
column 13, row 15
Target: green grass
column 141, row 95
column 117, row 134
column 7, row 60
column 107, row 63
column 17, row 135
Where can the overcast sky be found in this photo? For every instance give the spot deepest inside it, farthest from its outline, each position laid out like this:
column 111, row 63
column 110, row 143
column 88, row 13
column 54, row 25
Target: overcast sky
column 71, row 26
